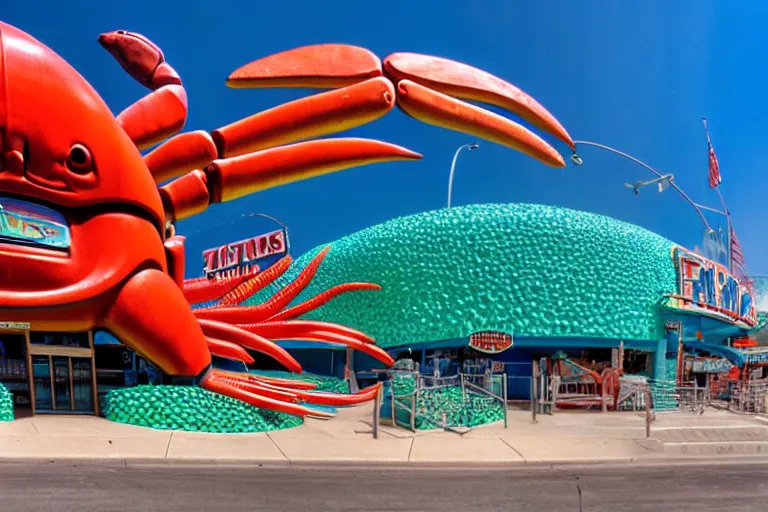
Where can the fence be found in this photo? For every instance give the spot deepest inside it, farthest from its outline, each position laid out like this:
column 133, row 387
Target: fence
column 667, row 396
column 463, row 400
column 492, row 385
column 748, row 396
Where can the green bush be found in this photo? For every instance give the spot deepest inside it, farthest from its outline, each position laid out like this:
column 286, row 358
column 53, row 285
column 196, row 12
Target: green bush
column 473, row 411
column 6, row 404
column 190, row 408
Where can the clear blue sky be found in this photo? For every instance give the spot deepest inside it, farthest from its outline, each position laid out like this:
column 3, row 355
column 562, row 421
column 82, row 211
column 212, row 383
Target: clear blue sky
column 634, row 75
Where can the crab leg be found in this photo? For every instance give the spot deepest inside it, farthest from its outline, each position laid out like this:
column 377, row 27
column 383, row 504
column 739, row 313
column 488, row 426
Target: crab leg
column 232, row 178
column 271, row 381
column 322, row 114
column 321, row 299
column 298, row 328
column 229, row 350
column 313, row 397
column 234, row 389
column 162, row 112
column 284, row 383
column 253, row 314
column 202, row 289
column 249, row 288
column 242, row 337
column 320, row 332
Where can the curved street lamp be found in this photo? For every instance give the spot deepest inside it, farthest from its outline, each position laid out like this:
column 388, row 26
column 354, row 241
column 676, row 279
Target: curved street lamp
column 468, row 147
column 577, row 161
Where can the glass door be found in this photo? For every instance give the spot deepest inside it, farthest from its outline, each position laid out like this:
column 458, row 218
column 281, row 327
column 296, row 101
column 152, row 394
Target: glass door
column 41, row 369
column 62, row 384
column 82, row 384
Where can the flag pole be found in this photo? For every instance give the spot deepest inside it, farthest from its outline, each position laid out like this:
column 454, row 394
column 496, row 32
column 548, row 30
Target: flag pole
column 722, row 201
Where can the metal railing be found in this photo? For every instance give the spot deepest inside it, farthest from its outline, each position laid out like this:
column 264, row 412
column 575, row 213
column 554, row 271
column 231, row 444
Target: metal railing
column 404, row 389
column 409, row 395
column 749, row 397
column 488, row 385
column 668, row 396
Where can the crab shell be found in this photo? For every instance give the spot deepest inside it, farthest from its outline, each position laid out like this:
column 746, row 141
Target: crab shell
column 61, row 147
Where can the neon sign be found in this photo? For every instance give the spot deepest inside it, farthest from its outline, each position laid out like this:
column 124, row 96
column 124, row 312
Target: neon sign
column 34, row 224
column 490, row 342
column 241, row 257
column 708, row 288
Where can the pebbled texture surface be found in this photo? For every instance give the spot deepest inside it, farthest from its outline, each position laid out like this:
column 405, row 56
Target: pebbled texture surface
column 532, row 270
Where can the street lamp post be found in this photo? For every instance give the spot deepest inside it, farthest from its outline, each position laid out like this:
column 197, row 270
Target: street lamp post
column 468, row 147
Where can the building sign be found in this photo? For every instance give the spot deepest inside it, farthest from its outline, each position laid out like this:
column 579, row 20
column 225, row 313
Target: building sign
column 33, row 224
column 16, row 326
column 708, row 288
column 757, row 357
column 490, row 342
column 238, row 258
column 711, row 365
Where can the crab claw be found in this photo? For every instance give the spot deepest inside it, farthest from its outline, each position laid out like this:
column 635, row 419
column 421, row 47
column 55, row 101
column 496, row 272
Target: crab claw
column 161, row 113
column 321, row 66
column 441, row 110
column 467, row 82
column 427, row 89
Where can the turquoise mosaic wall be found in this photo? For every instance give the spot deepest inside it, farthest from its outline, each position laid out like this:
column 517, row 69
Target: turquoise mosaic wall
column 532, row 270
column 6, row 404
column 190, row 408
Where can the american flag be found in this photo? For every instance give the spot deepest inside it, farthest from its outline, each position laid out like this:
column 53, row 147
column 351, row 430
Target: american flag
column 737, row 256
column 714, row 168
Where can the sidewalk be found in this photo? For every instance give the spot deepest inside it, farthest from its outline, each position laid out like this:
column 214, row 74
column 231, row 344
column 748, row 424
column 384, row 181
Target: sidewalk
column 562, row 438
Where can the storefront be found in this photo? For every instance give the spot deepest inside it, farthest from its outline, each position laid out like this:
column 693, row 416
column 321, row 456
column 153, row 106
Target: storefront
column 48, row 373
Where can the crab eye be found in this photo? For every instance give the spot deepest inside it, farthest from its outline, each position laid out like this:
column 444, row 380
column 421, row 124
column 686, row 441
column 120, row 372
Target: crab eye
column 121, row 32
column 79, row 160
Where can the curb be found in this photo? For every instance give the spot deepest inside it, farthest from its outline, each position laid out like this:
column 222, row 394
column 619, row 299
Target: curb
column 367, row 465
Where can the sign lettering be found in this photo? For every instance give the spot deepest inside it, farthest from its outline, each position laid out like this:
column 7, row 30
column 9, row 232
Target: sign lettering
column 490, row 342
column 18, row 326
column 238, row 258
column 711, row 365
column 709, row 288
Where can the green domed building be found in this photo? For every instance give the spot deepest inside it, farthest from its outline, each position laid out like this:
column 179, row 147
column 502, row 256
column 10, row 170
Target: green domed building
column 545, row 278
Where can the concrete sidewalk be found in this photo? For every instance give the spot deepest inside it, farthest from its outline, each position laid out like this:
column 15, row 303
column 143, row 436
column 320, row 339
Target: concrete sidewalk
column 561, row 438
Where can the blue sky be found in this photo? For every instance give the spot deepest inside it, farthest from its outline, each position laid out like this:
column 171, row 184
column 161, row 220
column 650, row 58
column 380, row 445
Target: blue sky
column 634, row 75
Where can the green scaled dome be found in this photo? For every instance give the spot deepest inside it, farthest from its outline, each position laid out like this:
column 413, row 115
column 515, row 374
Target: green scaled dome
column 531, row 270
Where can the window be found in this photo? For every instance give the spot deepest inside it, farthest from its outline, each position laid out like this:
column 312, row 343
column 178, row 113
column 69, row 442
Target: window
column 32, row 224
column 60, row 339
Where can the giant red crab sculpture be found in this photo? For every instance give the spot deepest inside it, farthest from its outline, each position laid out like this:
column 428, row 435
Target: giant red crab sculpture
column 121, row 266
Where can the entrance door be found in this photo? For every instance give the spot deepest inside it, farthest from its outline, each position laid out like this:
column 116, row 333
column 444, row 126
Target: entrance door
column 13, row 371
column 63, row 384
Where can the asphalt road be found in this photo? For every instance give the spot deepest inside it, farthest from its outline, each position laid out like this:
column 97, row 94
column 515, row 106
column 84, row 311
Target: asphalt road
column 92, row 487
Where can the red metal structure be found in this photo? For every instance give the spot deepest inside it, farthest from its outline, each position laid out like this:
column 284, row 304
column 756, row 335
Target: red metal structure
column 62, row 148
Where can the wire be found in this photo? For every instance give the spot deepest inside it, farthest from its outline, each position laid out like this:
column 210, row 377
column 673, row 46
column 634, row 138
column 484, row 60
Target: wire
column 578, row 161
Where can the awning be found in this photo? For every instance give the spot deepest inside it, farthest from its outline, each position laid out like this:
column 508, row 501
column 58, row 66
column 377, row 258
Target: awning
column 737, row 357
